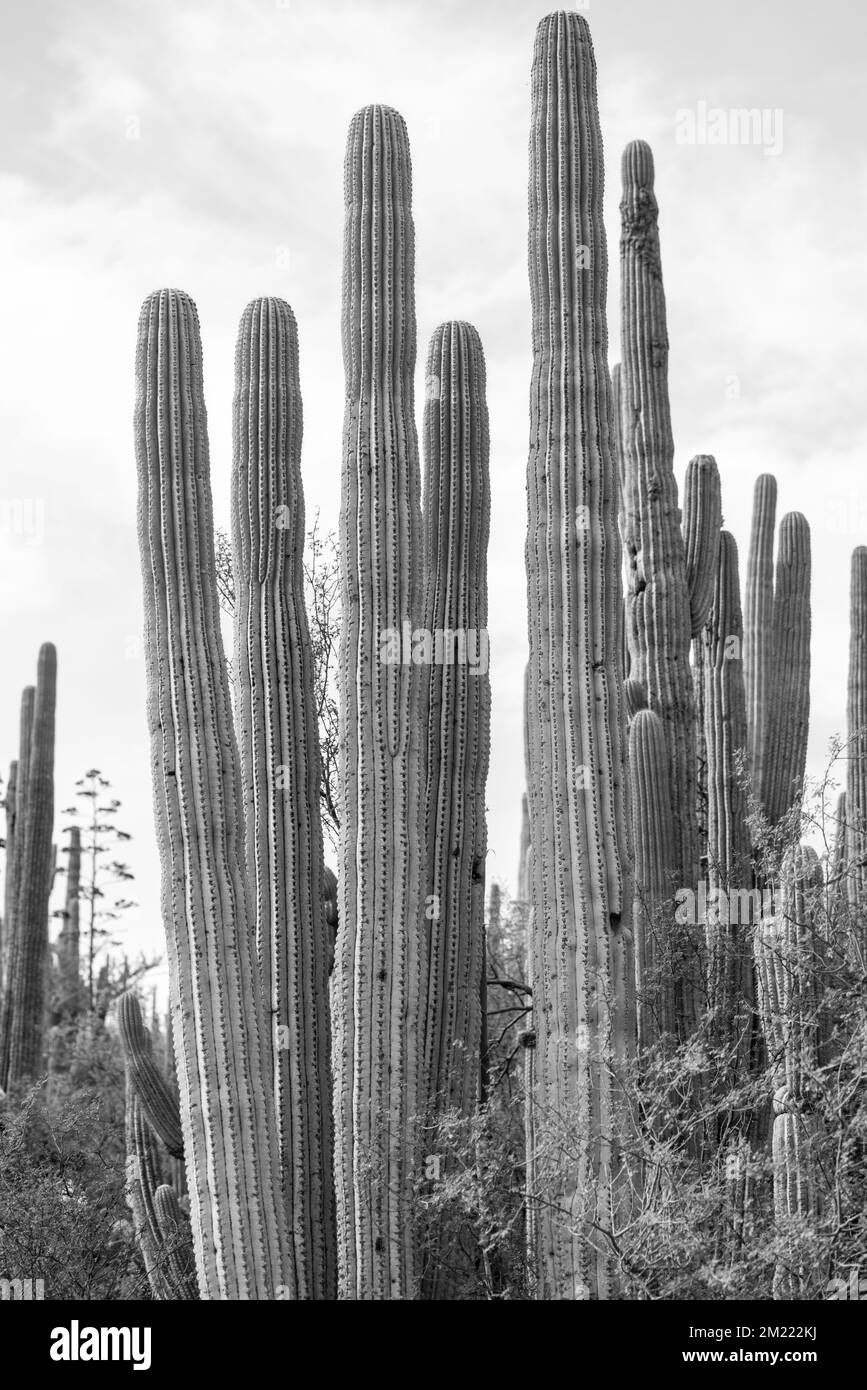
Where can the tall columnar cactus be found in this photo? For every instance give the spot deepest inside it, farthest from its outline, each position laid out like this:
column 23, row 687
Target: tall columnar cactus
column 221, row 1035
column 759, row 635
column 702, row 520
column 28, row 966
column 280, row 773
column 582, row 968
column 788, row 726
column 659, row 623
column 729, row 870
column 856, row 735
column 652, row 837
column 456, row 703
column 378, row 1003
column 789, row 955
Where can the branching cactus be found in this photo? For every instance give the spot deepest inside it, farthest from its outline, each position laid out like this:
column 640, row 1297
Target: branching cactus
column 457, row 697
column 222, row 1041
column 788, row 726
column 377, row 997
column 28, row 967
column 582, row 966
column 856, row 744
column 280, row 771
column 729, row 868
column 759, row 680
column 659, row 620
column 652, row 838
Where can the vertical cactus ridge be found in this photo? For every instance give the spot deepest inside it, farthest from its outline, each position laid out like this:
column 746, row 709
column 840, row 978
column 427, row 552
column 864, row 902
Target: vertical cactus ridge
column 221, row 1043
column 659, row 621
column 523, row 891
column 725, row 728
column 155, row 1096
column 582, row 969
column 456, row 703
column 652, row 838
column 759, row 634
column 278, row 743
column 856, row 733
column 789, row 722
column 378, row 1015
column 13, row 870
column 33, row 885
column 702, row 520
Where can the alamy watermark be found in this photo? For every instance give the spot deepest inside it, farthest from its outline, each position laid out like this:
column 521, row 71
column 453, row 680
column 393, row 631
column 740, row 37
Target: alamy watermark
column 420, row 646
column 713, row 125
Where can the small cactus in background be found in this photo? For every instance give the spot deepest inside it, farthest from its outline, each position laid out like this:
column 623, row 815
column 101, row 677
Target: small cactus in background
column 377, row 993
column 23, row 1029
column 158, row 1103
column 582, row 970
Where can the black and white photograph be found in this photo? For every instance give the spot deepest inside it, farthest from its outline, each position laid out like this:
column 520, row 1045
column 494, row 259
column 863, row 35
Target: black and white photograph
column 433, row 726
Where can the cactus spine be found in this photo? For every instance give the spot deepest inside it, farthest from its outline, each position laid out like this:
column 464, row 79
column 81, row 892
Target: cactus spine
column 221, row 1038
column 457, row 697
column 279, row 751
column 378, row 1013
column 582, row 971
column 658, row 598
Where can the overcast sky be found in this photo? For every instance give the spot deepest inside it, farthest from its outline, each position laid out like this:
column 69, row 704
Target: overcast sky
column 201, row 146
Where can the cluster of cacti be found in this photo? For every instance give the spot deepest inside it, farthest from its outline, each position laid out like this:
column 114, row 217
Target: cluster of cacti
column 29, row 875
column 304, row 1150
column 582, row 968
